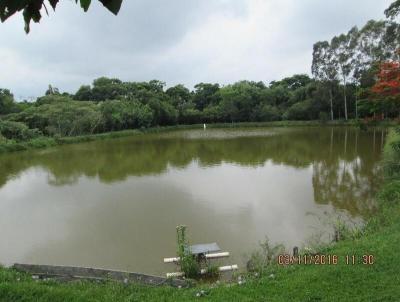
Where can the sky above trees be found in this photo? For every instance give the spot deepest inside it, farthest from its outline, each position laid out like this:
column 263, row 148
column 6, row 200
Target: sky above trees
column 175, row 41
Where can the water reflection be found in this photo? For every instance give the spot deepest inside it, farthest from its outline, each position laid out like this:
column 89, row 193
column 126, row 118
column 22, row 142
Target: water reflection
column 117, row 159
column 116, row 203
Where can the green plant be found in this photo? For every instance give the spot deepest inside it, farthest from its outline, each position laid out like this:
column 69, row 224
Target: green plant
column 187, row 262
column 18, row 131
column 392, row 155
column 264, row 257
column 323, row 117
column 212, row 271
column 344, row 230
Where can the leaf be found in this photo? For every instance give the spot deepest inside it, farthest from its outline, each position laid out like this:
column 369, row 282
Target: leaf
column 393, row 10
column 9, row 7
column 32, row 12
column 27, row 17
column 31, row 8
column 112, row 5
column 53, row 3
column 85, row 4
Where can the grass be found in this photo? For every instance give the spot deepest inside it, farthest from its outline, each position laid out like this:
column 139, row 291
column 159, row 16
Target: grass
column 342, row 282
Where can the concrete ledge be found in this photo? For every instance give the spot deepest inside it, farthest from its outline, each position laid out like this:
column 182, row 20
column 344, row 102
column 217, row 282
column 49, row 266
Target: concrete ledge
column 69, row 273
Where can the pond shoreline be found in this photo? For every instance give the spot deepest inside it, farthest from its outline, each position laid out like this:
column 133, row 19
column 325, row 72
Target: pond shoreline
column 46, row 141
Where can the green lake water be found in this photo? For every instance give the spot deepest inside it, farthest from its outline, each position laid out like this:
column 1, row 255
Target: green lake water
column 116, row 203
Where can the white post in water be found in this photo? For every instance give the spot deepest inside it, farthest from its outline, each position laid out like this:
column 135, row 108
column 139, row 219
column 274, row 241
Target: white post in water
column 204, row 125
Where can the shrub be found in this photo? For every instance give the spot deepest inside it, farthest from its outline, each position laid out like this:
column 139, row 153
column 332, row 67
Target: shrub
column 163, row 112
column 52, row 98
column 187, row 261
column 191, row 116
column 261, row 259
column 323, row 117
column 299, row 111
column 118, row 115
column 211, row 114
column 212, row 271
column 17, row 131
column 269, row 113
column 392, row 154
column 343, row 230
column 62, row 118
column 7, row 103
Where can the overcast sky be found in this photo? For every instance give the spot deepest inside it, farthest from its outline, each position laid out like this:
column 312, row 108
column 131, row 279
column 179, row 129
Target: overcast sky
column 176, row 41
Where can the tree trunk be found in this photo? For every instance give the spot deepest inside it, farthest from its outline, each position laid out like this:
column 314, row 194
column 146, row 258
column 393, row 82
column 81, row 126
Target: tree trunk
column 374, row 140
column 331, row 100
column 345, row 99
column 356, row 105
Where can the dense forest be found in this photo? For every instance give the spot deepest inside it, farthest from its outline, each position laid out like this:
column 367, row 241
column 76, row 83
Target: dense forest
column 355, row 76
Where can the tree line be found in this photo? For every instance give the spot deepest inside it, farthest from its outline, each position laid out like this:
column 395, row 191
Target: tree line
column 355, row 75
column 354, row 59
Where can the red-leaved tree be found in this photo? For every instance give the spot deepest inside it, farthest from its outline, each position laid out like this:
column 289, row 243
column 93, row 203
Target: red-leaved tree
column 386, row 91
column 388, row 83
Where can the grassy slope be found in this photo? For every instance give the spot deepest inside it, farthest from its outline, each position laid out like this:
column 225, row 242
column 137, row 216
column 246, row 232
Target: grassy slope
column 378, row 282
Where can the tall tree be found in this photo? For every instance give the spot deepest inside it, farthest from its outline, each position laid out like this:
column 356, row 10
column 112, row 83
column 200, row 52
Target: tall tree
column 393, row 10
column 324, row 68
column 388, row 83
column 52, row 91
column 372, row 46
column 386, row 91
column 107, row 89
column 377, row 41
column 292, row 83
column 179, row 96
column 84, row 93
column 7, row 104
column 343, row 48
column 206, row 94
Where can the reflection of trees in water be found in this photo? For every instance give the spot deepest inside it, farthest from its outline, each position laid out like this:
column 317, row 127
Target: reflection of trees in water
column 343, row 185
column 344, row 161
column 349, row 179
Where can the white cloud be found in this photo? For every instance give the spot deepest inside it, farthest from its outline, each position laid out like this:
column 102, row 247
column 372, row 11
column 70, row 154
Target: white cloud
column 174, row 41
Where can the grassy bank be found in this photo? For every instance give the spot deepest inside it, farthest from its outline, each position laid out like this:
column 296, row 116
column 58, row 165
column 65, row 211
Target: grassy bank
column 45, row 141
column 379, row 281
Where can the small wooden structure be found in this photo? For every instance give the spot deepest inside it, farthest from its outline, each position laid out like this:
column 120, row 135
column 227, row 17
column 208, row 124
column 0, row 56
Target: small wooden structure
column 207, row 251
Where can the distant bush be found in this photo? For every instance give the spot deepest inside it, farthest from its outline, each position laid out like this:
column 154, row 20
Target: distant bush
column 163, row 112
column 191, row 116
column 17, row 131
column 7, row 103
column 323, row 116
column 299, row 111
column 52, row 98
column 118, row 115
column 211, row 114
column 2, row 139
column 62, row 117
column 268, row 113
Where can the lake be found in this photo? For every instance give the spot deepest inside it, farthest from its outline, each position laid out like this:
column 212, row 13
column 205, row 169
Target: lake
column 116, row 203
